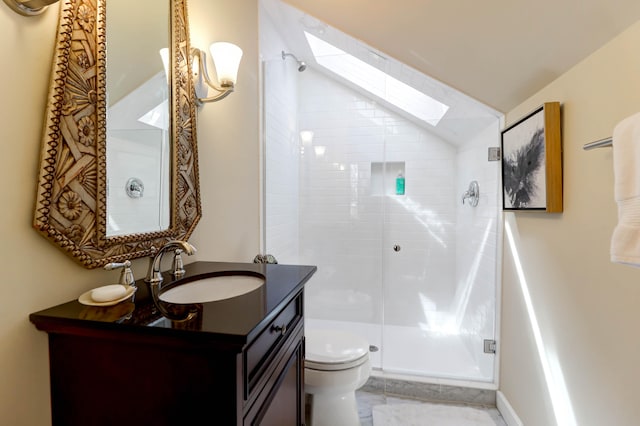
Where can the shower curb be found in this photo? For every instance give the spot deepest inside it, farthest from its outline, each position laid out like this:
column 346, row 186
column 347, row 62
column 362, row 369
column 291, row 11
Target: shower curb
column 431, row 392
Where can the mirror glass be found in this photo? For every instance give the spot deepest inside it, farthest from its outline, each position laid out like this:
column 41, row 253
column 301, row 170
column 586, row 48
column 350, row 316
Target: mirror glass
column 138, row 143
column 118, row 165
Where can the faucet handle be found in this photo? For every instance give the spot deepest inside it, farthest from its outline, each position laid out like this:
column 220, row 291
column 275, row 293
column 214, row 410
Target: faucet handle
column 178, row 265
column 126, row 275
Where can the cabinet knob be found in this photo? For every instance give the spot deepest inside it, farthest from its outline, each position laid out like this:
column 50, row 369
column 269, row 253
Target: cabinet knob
column 282, row 329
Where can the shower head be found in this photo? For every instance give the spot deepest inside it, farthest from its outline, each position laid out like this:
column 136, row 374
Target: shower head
column 301, row 64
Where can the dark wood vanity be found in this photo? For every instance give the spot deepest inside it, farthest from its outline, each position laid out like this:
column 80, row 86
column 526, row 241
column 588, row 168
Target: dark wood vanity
column 239, row 361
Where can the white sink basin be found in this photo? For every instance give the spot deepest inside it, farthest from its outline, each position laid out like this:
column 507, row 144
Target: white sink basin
column 212, row 289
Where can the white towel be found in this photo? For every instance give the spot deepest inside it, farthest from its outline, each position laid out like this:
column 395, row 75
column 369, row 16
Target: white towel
column 625, row 242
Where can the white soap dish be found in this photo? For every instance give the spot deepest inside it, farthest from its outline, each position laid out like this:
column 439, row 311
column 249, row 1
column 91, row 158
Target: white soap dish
column 86, row 299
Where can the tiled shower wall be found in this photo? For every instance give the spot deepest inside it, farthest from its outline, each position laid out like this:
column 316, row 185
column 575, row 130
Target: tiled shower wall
column 137, row 154
column 137, row 149
column 342, row 219
column 351, row 217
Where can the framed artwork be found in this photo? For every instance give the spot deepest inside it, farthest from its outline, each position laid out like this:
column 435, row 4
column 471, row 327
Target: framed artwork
column 532, row 162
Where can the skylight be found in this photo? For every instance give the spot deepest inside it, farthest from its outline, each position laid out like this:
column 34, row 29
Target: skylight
column 376, row 82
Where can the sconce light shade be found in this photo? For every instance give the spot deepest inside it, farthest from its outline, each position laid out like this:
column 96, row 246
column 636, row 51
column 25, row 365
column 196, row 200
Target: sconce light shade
column 226, row 58
column 29, row 7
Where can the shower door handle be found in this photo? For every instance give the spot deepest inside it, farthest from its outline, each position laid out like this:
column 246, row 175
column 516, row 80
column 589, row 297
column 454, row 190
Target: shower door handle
column 397, row 248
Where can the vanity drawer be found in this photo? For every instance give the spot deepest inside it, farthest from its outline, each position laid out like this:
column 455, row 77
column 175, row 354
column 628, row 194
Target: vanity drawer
column 264, row 347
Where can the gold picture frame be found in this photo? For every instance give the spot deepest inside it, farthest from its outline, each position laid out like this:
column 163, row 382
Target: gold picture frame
column 532, row 162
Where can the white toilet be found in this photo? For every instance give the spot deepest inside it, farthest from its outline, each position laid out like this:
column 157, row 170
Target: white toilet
column 336, row 364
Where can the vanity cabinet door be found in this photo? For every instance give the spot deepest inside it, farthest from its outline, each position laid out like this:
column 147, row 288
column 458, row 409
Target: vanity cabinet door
column 262, row 353
column 283, row 403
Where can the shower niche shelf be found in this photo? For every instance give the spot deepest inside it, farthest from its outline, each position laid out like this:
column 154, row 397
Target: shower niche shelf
column 383, row 177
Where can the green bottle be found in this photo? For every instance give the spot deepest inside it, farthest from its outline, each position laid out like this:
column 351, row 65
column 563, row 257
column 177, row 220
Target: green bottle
column 400, row 184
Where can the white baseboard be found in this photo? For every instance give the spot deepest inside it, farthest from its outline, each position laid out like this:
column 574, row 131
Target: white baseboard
column 506, row 410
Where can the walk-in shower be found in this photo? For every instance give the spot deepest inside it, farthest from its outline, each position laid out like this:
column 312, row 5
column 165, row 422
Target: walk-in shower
column 404, row 263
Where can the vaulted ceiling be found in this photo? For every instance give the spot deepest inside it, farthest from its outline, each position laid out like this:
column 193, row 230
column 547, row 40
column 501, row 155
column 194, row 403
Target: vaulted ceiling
column 499, row 52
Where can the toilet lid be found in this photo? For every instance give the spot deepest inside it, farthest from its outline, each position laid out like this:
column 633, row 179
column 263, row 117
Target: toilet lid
column 334, row 349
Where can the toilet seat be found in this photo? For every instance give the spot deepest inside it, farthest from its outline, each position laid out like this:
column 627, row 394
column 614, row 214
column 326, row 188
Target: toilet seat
column 333, row 350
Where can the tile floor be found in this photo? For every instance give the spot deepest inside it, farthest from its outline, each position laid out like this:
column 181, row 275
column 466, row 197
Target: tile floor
column 367, row 399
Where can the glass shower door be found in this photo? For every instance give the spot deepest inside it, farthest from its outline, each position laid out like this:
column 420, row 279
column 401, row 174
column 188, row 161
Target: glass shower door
column 321, row 205
column 439, row 268
column 341, row 208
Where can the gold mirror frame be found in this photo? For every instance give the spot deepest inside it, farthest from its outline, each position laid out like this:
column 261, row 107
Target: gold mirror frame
column 71, row 198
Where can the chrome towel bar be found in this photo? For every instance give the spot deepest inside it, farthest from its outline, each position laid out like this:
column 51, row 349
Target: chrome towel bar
column 606, row 142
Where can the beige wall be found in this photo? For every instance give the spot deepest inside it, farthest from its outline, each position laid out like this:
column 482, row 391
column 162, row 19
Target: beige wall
column 35, row 273
column 586, row 307
column 229, row 138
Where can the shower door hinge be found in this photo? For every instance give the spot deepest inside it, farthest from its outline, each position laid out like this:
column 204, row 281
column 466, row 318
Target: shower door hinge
column 489, row 346
column 494, row 153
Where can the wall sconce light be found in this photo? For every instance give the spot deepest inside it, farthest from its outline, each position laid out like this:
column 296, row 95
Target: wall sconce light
column 226, row 59
column 29, row 7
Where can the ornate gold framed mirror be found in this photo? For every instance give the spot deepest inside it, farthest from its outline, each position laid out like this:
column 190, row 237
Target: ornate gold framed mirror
column 73, row 191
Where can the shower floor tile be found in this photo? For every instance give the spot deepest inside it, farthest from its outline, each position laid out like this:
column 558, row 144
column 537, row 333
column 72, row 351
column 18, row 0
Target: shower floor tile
column 367, row 400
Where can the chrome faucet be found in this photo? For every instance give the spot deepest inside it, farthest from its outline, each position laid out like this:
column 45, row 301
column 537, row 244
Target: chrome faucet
column 154, row 276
